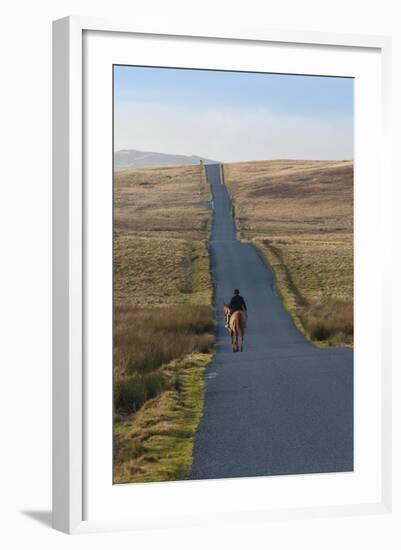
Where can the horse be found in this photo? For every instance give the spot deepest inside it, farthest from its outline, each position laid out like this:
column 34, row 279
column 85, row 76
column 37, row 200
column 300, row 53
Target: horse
column 236, row 327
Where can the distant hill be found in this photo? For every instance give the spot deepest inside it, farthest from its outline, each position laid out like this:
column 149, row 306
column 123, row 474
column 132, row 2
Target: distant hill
column 131, row 158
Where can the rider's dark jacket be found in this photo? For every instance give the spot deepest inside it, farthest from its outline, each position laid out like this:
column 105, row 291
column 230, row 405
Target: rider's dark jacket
column 237, row 303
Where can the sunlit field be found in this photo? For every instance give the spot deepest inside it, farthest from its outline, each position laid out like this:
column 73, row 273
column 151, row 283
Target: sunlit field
column 163, row 319
column 299, row 214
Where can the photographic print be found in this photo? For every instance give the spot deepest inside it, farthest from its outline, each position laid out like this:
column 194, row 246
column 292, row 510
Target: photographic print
column 232, row 274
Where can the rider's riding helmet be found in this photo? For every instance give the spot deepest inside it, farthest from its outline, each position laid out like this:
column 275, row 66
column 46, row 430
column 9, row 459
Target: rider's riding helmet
column 236, row 291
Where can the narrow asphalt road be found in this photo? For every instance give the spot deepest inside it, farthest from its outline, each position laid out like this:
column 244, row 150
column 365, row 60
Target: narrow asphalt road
column 282, row 406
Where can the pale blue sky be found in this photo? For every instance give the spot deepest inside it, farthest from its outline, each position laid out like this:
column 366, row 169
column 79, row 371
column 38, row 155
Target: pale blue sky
column 233, row 116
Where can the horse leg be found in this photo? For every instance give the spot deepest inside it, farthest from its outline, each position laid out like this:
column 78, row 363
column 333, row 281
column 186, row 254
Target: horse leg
column 242, row 340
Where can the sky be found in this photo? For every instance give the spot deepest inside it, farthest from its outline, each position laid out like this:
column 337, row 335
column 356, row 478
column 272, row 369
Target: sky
column 233, row 116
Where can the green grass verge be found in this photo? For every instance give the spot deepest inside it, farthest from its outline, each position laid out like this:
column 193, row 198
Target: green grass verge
column 155, row 444
column 289, row 294
column 327, row 321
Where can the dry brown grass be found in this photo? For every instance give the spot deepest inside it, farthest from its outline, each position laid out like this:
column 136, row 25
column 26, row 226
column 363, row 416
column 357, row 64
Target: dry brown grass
column 300, row 216
column 170, row 202
column 160, row 271
column 274, row 198
column 330, row 320
column 145, row 338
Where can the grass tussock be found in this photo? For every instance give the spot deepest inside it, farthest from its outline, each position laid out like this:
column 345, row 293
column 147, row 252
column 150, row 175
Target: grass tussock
column 299, row 214
column 331, row 322
column 131, row 392
column 147, row 338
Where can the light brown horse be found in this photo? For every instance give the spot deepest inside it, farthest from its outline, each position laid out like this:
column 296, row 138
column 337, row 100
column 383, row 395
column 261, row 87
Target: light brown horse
column 236, row 327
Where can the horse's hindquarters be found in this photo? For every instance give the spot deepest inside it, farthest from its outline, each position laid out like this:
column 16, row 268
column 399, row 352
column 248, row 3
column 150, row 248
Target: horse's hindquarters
column 237, row 329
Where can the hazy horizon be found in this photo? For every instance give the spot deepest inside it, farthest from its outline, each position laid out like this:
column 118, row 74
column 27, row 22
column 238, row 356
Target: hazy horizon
column 194, row 154
column 233, row 116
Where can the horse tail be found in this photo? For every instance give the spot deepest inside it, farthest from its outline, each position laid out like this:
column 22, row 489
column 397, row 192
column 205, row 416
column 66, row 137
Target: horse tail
column 236, row 324
column 242, row 321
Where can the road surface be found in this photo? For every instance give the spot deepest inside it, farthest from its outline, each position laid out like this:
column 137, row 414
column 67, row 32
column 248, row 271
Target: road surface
column 282, row 406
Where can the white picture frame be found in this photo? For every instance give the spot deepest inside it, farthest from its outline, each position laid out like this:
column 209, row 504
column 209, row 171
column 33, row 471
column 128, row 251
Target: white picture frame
column 70, row 257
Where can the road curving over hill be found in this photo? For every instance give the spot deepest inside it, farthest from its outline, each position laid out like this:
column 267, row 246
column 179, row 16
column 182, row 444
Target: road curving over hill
column 282, row 406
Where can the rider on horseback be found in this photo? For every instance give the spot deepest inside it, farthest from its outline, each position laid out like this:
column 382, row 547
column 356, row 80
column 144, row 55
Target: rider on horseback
column 237, row 303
